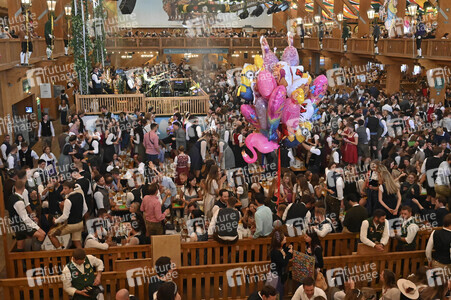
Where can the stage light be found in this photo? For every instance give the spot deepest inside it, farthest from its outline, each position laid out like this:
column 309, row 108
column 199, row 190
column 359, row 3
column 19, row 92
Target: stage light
column 258, row 11
column 371, row 12
column 68, row 10
column 284, row 6
column 317, row 19
column 244, row 14
column 272, row 9
column 412, row 9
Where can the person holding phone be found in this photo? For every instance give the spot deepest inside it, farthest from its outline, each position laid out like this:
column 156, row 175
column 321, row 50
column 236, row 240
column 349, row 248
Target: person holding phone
column 280, row 254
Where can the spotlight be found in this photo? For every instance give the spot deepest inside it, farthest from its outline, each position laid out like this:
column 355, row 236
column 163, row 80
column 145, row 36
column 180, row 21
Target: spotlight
column 284, row 6
column 272, row 9
column 244, row 14
column 258, row 11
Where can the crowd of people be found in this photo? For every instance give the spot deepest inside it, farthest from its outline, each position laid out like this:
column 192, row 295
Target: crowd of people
column 371, row 157
column 198, row 31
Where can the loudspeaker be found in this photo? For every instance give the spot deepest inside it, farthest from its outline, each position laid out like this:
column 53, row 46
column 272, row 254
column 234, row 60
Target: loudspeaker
column 127, row 6
column 246, row 55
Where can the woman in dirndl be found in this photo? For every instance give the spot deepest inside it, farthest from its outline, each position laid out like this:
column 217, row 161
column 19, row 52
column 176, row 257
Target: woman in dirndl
column 182, row 163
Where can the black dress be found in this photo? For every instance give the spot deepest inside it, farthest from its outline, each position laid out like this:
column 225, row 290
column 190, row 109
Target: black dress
column 109, row 150
column 390, row 200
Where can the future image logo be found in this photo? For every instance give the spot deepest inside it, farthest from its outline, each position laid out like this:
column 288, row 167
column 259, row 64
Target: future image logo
column 438, row 276
column 357, row 273
column 296, row 226
column 438, row 77
column 241, row 276
column 336, row 77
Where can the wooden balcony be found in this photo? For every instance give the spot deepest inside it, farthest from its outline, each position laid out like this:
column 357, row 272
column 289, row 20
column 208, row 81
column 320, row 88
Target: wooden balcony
column 396, row 48
column 438, row 50
column 158, row 43
column 10, row 52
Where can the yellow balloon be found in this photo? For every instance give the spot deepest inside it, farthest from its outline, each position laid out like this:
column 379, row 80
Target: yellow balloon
column 298, row 95
column 258, row 61
column 299, row 137
column 307, row 125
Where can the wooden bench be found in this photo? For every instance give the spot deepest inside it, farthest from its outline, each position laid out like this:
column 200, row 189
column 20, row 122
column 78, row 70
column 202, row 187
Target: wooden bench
column 212, row 282
column 193, row 253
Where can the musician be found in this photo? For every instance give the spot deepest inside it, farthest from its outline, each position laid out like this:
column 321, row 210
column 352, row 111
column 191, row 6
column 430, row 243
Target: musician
column 22, row 225
column 78, row 276
column 97, row 85
column 118, row 85
column 74, row 208
column 134, row 84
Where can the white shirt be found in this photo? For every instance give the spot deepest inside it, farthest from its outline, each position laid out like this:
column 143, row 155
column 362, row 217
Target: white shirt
column 384, row 125
column 443, row 174
column 33, row 154
column 335, row 156
column 47, row 158
column 51, row 128
column 412, row 230
column 10, row 161
column 98, row 197
column 3, row 148
column 67, row 278
column 339, row 185
column 366, row 241
column 300, row 294
column 307, row 215
column 315, row 151
column 19, row 206
column 95, row 78
column 67, row 207
column 327, row 228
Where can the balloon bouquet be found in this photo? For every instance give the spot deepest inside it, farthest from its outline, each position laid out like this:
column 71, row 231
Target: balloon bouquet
column 282, row 94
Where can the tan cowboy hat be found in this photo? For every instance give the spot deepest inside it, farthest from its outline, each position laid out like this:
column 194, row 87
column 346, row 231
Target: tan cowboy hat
column 408, row 288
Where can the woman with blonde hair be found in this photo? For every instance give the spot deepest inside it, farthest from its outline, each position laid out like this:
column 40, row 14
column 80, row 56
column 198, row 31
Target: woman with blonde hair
column 286, row 188
column 389, row 194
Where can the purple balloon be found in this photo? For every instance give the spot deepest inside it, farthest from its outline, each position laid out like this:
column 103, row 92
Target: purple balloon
column 261, row 107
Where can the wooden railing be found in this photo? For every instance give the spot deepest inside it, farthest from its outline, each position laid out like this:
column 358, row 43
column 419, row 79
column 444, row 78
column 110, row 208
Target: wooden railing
column 360, row 46
column 437, row 49
column 195, row 253
column 10, row 51
column 401, row 263
column 220, row 281
column 333, row 44
column 20, row 262
column 91, row 104
column 158, row 43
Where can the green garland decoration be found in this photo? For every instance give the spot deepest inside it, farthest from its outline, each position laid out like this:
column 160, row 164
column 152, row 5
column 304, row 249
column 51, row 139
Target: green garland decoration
column 99, row 40
column 81, row 44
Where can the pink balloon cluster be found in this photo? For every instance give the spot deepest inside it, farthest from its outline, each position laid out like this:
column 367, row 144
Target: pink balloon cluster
column 272, row 106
